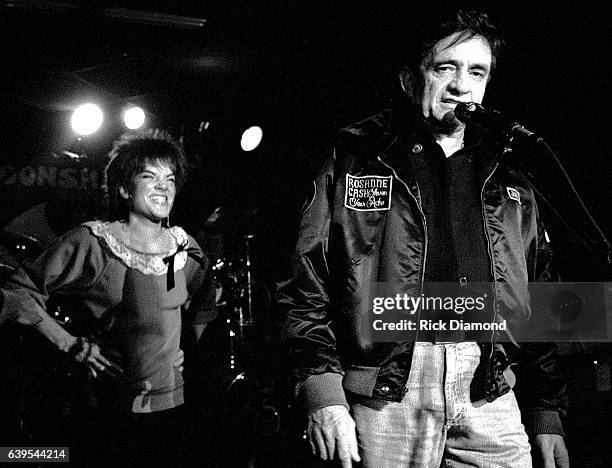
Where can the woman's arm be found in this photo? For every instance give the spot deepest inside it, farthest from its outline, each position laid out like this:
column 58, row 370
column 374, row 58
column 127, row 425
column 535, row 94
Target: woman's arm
column 71, row 265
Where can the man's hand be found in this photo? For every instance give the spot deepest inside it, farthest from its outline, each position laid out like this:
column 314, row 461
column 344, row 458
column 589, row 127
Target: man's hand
column 549, row 451
column 180, row 359
column 331, row 430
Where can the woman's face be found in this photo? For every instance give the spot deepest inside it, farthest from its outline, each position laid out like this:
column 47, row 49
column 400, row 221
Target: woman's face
column 152, row 191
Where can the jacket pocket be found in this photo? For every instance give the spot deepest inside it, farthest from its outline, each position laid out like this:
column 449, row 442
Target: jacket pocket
column 360, row 380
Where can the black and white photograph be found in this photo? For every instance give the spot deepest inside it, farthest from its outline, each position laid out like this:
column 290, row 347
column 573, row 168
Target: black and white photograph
column 257, row 234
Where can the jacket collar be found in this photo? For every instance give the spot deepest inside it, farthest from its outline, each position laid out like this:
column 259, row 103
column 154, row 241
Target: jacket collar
column 410, row 134
column 395, row 132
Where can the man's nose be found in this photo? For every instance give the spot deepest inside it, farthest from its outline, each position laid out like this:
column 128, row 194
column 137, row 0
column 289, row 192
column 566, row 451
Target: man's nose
column 460, row 82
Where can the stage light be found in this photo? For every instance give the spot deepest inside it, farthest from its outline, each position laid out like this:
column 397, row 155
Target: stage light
column 251, row 138
column 134, row 117
column 86, row 119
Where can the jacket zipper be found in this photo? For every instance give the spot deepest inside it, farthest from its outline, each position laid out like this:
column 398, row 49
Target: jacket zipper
column 486, row 232
column 424, row 233
column 490, row 254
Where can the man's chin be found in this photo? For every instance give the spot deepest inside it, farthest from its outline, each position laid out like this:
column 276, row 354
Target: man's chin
column 447, row 124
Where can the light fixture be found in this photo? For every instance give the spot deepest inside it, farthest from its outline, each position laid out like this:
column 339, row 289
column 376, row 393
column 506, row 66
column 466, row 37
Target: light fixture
column 251, row 138
column 87, row 119
column 134, row 117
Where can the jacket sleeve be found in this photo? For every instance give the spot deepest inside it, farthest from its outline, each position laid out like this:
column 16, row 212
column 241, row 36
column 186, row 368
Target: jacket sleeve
column 304, row 300
column 540, row 390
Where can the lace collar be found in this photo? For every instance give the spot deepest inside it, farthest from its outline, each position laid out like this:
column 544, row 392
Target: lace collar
column 148, row 264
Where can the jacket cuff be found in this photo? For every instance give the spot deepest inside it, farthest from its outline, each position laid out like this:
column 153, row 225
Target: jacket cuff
column 542, row 422
column 321, row 390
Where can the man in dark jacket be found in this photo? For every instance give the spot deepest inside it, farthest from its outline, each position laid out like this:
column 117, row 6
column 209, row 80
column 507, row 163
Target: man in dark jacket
column 414, row 197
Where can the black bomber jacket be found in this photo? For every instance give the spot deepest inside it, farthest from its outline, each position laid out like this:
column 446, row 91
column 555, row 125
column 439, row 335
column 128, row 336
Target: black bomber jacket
column 347, row 244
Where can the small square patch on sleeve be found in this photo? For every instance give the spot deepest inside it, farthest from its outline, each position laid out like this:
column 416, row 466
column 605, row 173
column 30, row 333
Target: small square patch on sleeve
column 368, row 193
column 514, row 194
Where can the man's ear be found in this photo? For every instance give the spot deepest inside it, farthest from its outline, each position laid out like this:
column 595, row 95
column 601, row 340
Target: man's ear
column 124, row 193
column 407, row 81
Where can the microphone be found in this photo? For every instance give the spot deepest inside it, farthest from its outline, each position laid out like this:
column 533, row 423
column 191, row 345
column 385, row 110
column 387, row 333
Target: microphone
column 471, row 112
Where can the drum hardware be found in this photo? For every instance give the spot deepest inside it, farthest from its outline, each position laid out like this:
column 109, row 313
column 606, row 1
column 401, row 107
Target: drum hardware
column 38, row 386
column 253, row 408
column 265, row 416
column 234, row 299
column 249, row 282
column 19, row 248
column 16, row 249
column 243, row 305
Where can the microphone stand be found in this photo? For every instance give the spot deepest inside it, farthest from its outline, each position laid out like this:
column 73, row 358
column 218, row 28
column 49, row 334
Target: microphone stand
column 601, row 249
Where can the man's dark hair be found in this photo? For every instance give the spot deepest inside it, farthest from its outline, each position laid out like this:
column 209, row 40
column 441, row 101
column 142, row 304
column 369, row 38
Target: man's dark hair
column 128, row 158
column 468, row 23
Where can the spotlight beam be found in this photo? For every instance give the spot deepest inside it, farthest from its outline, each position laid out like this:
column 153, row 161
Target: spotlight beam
column 121, row 14
column 153, row 18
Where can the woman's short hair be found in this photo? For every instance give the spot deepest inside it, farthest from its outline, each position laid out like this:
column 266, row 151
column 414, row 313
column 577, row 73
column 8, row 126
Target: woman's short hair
column 128, row 158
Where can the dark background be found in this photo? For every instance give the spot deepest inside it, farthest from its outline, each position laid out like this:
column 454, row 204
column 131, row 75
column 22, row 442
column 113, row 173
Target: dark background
column 300, row 70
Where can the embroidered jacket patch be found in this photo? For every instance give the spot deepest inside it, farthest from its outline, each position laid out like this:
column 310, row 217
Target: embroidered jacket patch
column 514, row 194
column 368, row 193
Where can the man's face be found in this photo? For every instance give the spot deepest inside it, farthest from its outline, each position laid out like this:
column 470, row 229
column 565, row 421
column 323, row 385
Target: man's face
column 457, row 72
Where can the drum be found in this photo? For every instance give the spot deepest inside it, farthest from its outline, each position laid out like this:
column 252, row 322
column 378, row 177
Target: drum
column 16, row 249
column 226, row 279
